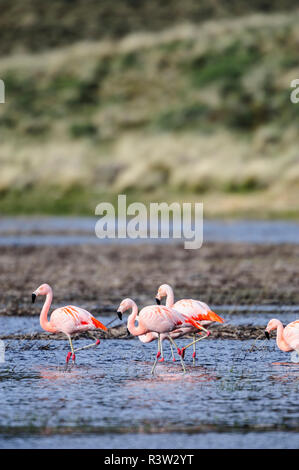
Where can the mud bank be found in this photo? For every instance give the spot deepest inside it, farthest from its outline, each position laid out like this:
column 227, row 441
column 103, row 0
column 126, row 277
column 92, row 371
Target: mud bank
column 245, row 332
column 99, row 277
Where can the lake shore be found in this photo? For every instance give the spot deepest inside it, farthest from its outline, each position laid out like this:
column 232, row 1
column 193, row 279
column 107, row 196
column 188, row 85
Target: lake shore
column 245, row 332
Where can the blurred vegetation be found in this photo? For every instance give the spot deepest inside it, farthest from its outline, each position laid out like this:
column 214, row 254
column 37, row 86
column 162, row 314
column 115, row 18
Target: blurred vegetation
column 187, row 113
column 37, row 25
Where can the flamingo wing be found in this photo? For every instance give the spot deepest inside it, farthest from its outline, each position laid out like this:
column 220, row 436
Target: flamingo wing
column 196, row 310
column 160, row 319
column 291, row 334
column 75, row 319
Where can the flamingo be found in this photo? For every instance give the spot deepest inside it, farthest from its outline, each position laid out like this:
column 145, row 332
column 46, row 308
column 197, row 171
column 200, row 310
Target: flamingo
column 287, row 338
column 153, row 319
column 191, row 309
column 67, row 320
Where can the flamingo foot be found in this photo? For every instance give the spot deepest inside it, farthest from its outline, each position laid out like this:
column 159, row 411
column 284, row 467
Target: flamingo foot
column 158, row 354
column 97, row 342
column 73, row 358
column 173, row 359
column 194, row 357
column 68, row 357
column 162, row 359
column 179, row 351
column 183, row 352
column 208, row 333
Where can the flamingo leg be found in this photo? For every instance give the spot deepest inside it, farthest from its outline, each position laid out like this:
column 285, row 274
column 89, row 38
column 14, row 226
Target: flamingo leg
column 203, row 329
column 93, row 345
column 162, row 355
column 72, row 353
column 194, row 350
column 172, row 354
column 182, row 362
column 195, row 341
column 157, row 355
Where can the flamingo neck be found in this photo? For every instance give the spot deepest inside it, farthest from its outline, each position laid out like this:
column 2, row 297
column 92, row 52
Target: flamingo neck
column 169, row 297
column 281, row 343
column 43, row 319
column 135, row 330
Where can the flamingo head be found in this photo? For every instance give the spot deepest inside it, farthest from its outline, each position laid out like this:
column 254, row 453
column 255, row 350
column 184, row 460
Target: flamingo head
column 162, row 292
column 272, row 325
column 125, row 305
column 44, row 289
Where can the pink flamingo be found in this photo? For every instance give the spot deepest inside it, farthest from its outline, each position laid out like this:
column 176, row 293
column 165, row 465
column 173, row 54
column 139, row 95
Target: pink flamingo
column 287, row 338
column 154, row 319
column 193, row 309
column 67, row 320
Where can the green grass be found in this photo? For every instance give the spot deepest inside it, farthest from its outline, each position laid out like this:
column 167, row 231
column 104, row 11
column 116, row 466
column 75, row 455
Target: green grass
column 227, row 65
column 51, row 200
column 189, row 117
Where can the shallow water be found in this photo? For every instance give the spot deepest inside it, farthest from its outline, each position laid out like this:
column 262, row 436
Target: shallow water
column 236, row 396
column 22, row 231
column 233, row 397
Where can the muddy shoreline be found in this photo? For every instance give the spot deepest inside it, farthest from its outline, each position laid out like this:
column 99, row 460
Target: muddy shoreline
column 99, row 277
column 246, row 332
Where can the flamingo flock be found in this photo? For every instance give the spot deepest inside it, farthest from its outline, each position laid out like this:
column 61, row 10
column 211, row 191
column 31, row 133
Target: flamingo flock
column 154, row 322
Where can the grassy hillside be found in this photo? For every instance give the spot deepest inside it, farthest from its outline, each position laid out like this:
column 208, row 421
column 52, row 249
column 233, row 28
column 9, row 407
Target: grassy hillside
column 195, row 113
column 36, row 25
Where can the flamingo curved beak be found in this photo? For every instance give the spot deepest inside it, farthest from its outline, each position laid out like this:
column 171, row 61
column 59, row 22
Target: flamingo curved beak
column 267, row 334
column 158, row 301
column 120, row 315
column 33, row 298
column 128, row 333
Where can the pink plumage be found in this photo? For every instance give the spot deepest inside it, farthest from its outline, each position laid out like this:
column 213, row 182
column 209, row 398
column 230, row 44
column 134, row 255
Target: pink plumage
column 67, row 320
column 197, row 314
column 152, row 320
column 287, row 338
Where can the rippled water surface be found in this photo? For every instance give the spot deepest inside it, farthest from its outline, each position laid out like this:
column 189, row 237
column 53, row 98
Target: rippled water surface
column 235, row 396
